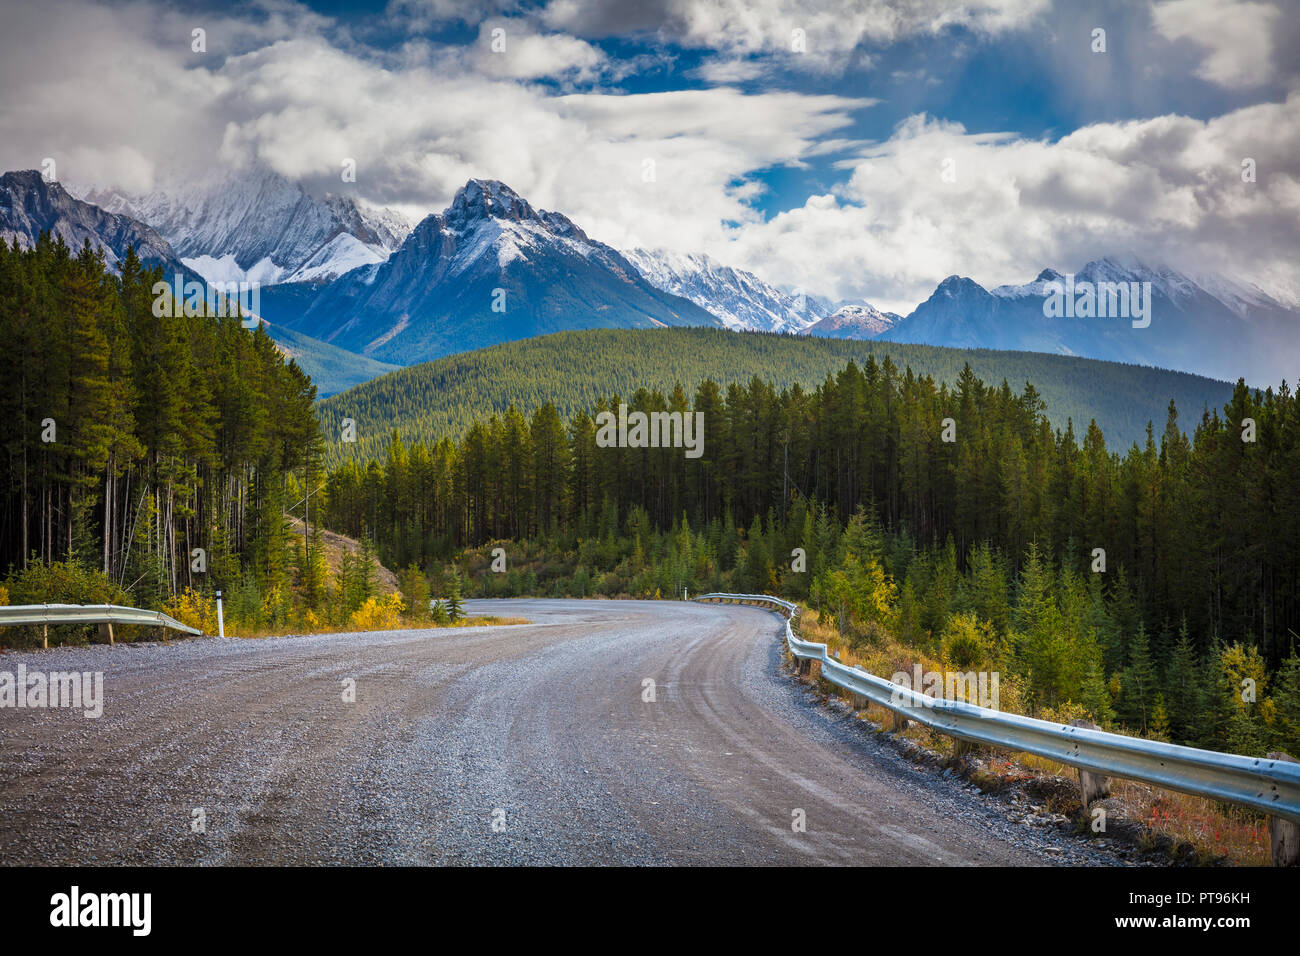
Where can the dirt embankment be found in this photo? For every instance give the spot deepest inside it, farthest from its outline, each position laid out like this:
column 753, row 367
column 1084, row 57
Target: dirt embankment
column 335, row 544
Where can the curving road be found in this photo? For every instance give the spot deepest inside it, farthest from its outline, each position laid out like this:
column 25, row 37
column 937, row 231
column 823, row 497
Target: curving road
column 543, row 722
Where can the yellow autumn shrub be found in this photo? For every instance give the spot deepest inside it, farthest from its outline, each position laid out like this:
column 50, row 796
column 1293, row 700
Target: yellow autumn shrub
column 193, row 609
column 378, row 614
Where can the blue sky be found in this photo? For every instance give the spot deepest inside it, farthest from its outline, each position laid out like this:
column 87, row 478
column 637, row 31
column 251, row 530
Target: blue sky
column 907, row 141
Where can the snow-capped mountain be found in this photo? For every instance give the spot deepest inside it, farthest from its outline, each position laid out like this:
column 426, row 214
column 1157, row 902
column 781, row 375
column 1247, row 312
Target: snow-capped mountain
column 1211, row 326
column 854, row 322
column 740, row 299
column 490, row 268
column 29, row 206
column 256, row 225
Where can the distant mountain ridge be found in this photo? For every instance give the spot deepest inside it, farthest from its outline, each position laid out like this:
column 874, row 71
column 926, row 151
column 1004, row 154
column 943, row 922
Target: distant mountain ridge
column 854, row 322
column 489, row 268
column 1211, row 327
column 256, row 225
column 740, row 299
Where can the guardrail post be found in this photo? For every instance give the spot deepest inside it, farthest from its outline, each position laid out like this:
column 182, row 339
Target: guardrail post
column 1284, row 834
column 106, row 630
column 1092, row 786
column 897, row 719
column 45, row 636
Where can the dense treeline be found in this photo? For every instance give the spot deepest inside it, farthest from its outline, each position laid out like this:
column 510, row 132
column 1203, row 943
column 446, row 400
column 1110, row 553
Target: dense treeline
column 574, row 370
column 1198, row 531
column 130, row 439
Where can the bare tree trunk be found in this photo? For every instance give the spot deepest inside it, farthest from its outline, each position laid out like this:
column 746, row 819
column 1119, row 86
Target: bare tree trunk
column 108, row 512
column 121, row 546
column 27, row 510
column 157, row 523
column 171, row 534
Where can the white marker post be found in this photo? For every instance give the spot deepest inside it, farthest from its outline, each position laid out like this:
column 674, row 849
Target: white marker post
column 221, row 621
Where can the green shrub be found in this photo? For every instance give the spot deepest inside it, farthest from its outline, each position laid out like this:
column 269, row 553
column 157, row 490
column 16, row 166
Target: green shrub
column 64, row 583
column 439, row 615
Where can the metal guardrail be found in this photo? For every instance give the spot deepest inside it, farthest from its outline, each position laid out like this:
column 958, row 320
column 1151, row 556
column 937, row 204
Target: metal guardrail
column 88, row 614
column 1272, row 786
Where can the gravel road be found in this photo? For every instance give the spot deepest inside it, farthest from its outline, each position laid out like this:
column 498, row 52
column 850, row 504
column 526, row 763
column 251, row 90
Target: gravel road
column 541, row 728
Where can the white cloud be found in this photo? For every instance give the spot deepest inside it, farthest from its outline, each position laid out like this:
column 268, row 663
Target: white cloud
column 1237, row 36
column 729, row 71
column 519, row 55
column 1168, row 188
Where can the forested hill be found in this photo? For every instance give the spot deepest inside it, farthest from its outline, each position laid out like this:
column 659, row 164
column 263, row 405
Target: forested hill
column 573, row 370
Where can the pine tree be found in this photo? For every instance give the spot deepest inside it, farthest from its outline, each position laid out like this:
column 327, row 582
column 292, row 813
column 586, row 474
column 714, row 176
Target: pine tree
column 415, row 593
column 455, row 606
column 1183, row 690
column 1139, row 682
column 1095, row 696
column 1159, row 729
column 755, row 563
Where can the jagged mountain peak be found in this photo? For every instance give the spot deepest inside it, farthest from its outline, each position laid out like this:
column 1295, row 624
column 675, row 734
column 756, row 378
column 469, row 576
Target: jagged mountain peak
column 27, row 179
column 956, row 286
column 29, row 205
column 1123, row 268
column 483, row 198
column 35, row 191
column 490, row 201
column 490, row 221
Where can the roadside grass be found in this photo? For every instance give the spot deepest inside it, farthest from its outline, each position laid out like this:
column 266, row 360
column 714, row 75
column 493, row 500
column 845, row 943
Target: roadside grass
column 1189, row 826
